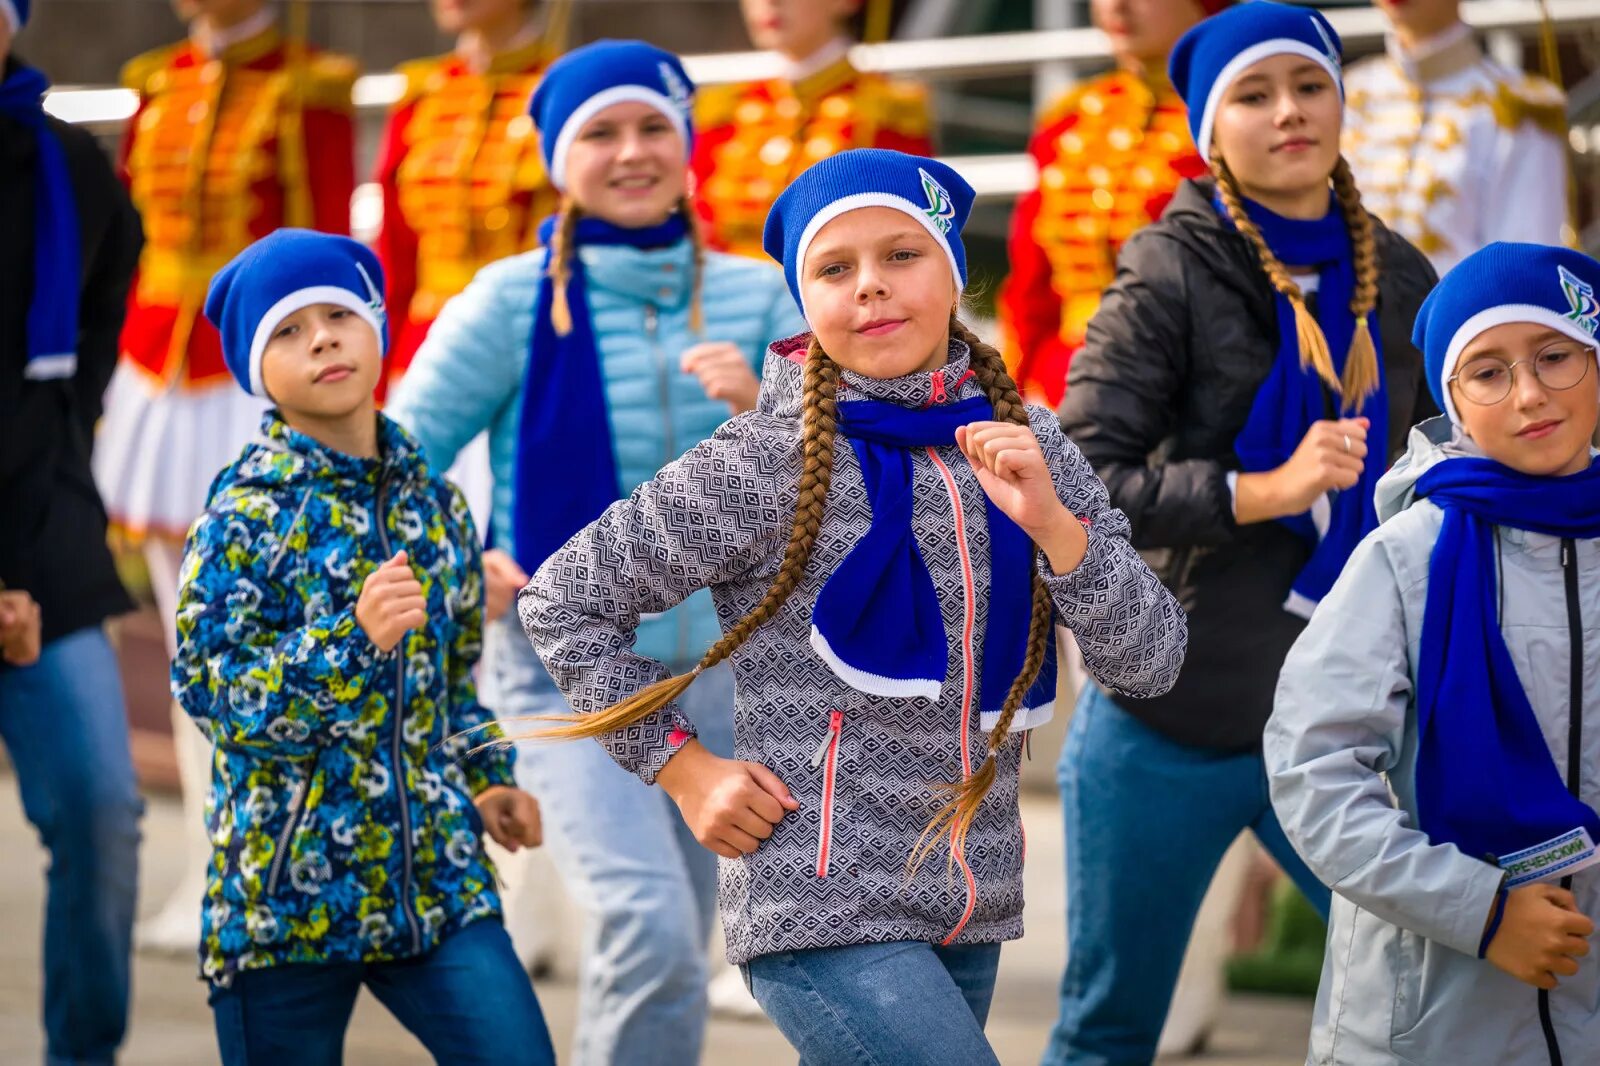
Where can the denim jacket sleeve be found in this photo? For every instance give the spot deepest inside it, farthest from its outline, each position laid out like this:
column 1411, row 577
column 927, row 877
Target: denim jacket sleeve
column 249, row 677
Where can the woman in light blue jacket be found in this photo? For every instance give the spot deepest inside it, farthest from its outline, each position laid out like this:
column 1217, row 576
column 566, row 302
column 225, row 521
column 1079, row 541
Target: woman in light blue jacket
column 1428, row 750
column 592, row 363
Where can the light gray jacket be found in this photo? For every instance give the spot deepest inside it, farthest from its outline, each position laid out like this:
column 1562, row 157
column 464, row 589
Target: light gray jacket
column 1401, row 981
column 863, row 768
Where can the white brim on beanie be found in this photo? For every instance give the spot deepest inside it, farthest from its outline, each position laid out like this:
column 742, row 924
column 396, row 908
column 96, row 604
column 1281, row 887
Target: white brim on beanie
column 871, row 199
column 617, row 94
column 299, row 300
column 8, row 11
column 1248, row 58
column 1488, row 319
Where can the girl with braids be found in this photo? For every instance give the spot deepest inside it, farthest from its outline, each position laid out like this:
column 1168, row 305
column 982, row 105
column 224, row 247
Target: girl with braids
column 1248, row 378
column 889, row 538
column 592, row 365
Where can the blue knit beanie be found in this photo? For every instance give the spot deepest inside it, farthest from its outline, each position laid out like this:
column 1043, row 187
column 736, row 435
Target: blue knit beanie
column 590, row 79
column 284, row 272
column 1505, row 282
column 14, row 12
column 927, row 190
column 1214, row 52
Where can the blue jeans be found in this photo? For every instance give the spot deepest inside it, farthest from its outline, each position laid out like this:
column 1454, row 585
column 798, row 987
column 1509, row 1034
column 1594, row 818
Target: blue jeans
column 880, row 1004
column 1147, row 822
column 62, row 719
column 469, row 1001
column 625, row 855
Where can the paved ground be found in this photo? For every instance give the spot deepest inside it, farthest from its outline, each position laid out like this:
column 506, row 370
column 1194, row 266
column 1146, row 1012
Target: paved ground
column 172, row 1026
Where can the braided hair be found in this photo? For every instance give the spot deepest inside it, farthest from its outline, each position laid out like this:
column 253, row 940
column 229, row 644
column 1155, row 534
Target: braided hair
column 1361, row 365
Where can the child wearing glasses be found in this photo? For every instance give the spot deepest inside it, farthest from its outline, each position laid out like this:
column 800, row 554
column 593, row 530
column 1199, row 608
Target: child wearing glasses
column 1427, row 751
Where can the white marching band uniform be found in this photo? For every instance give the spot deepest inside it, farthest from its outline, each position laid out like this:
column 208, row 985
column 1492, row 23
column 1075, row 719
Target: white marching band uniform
column 1453, row 150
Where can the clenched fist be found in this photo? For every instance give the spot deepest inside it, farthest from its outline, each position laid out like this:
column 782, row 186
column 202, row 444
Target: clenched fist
column 391, row 603
column 19, row 628
column 724, row 373
column 510, row 817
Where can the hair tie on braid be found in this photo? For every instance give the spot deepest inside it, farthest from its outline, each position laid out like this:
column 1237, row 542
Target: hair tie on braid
column 1361, row 371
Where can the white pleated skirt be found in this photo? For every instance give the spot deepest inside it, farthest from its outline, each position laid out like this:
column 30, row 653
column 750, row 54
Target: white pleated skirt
column 157, row 449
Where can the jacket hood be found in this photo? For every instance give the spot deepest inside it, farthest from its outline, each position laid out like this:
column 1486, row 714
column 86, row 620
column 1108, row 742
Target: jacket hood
column 1429, row 444
column 783, row 380
column 284, row 458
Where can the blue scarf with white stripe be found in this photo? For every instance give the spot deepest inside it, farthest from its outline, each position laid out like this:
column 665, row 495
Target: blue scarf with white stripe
column 1293, row 397
column 877, row 622
column 57, row 255
column 1485, row 779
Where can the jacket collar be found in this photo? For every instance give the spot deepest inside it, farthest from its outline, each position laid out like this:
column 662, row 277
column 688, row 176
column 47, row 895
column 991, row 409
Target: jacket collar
column 1440, row 57
column 399, row 455
column 783, row 374
column 661, row 277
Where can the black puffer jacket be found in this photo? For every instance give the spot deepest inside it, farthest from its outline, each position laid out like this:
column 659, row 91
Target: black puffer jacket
column 52, row 526
column 1155, row 399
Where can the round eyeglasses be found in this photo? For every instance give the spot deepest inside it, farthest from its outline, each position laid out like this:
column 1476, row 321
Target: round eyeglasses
column 1486, row 381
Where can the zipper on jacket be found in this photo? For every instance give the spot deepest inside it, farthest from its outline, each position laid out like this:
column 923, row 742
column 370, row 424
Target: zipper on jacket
column 1569, row 572
column 296, row 814
column 664, row 372
column 938, row 388
column 827, row 756
column 399, row 729
column 969, row 621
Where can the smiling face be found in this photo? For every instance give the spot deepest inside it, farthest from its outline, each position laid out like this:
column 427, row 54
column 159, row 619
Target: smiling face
column 796, row 29
column 879, row 293
column 1537, row 428
column 627, row 166
column 322, row 362
column 1277, row 127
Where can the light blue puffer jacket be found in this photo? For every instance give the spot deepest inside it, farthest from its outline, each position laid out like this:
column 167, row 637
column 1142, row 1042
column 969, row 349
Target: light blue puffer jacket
column 467, row 376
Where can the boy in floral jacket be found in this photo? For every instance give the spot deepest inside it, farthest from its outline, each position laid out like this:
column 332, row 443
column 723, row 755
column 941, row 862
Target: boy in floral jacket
column 328, row 622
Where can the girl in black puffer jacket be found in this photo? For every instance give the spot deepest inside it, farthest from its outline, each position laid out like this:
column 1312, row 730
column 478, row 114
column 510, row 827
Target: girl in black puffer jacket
column 1246, row 380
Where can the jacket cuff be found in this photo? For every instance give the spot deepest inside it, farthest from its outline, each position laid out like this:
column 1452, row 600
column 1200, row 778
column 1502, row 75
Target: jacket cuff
column 492, row 766
column 1495, row 917
column 644, row 748
column 1078, row 590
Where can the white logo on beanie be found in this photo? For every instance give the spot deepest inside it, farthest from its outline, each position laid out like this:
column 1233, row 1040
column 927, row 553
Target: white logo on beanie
column 1585, row 313
column 1327, row 44
column 374, row 297
column 677, row 91
column 941, row 210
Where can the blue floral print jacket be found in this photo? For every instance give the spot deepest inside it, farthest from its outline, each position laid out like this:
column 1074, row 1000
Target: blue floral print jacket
column 341, row 815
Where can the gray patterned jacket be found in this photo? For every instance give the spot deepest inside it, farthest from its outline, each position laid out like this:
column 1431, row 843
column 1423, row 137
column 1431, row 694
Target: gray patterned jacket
column 834, row 871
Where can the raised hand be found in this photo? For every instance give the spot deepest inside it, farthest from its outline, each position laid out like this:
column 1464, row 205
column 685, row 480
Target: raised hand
column 724, row 373
column 391, row 603
column 1012, row 469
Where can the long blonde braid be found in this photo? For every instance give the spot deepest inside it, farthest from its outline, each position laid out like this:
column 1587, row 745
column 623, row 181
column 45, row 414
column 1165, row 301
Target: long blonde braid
column 959, row 811
column 818, row 428
column 1361, row 364
column 559, row 264
column 697, row 319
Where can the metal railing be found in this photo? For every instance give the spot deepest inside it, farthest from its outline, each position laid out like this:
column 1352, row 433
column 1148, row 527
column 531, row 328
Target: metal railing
column 937, row 59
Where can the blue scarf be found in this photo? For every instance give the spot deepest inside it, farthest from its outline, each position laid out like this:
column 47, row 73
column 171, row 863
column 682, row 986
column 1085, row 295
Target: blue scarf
column 1292, row 397
column 57, row 254
column 1485, row 780
column 877, row 621
column 566, row 468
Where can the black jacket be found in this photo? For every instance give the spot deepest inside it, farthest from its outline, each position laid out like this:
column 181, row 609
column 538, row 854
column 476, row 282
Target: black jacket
column 1155, row 398
column 52, row 524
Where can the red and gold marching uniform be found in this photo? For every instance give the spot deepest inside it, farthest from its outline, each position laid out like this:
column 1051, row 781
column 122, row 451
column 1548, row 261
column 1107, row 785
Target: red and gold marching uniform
column 752, row 140
column 1110, row 154
column 223, row 149
column 463, row 181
